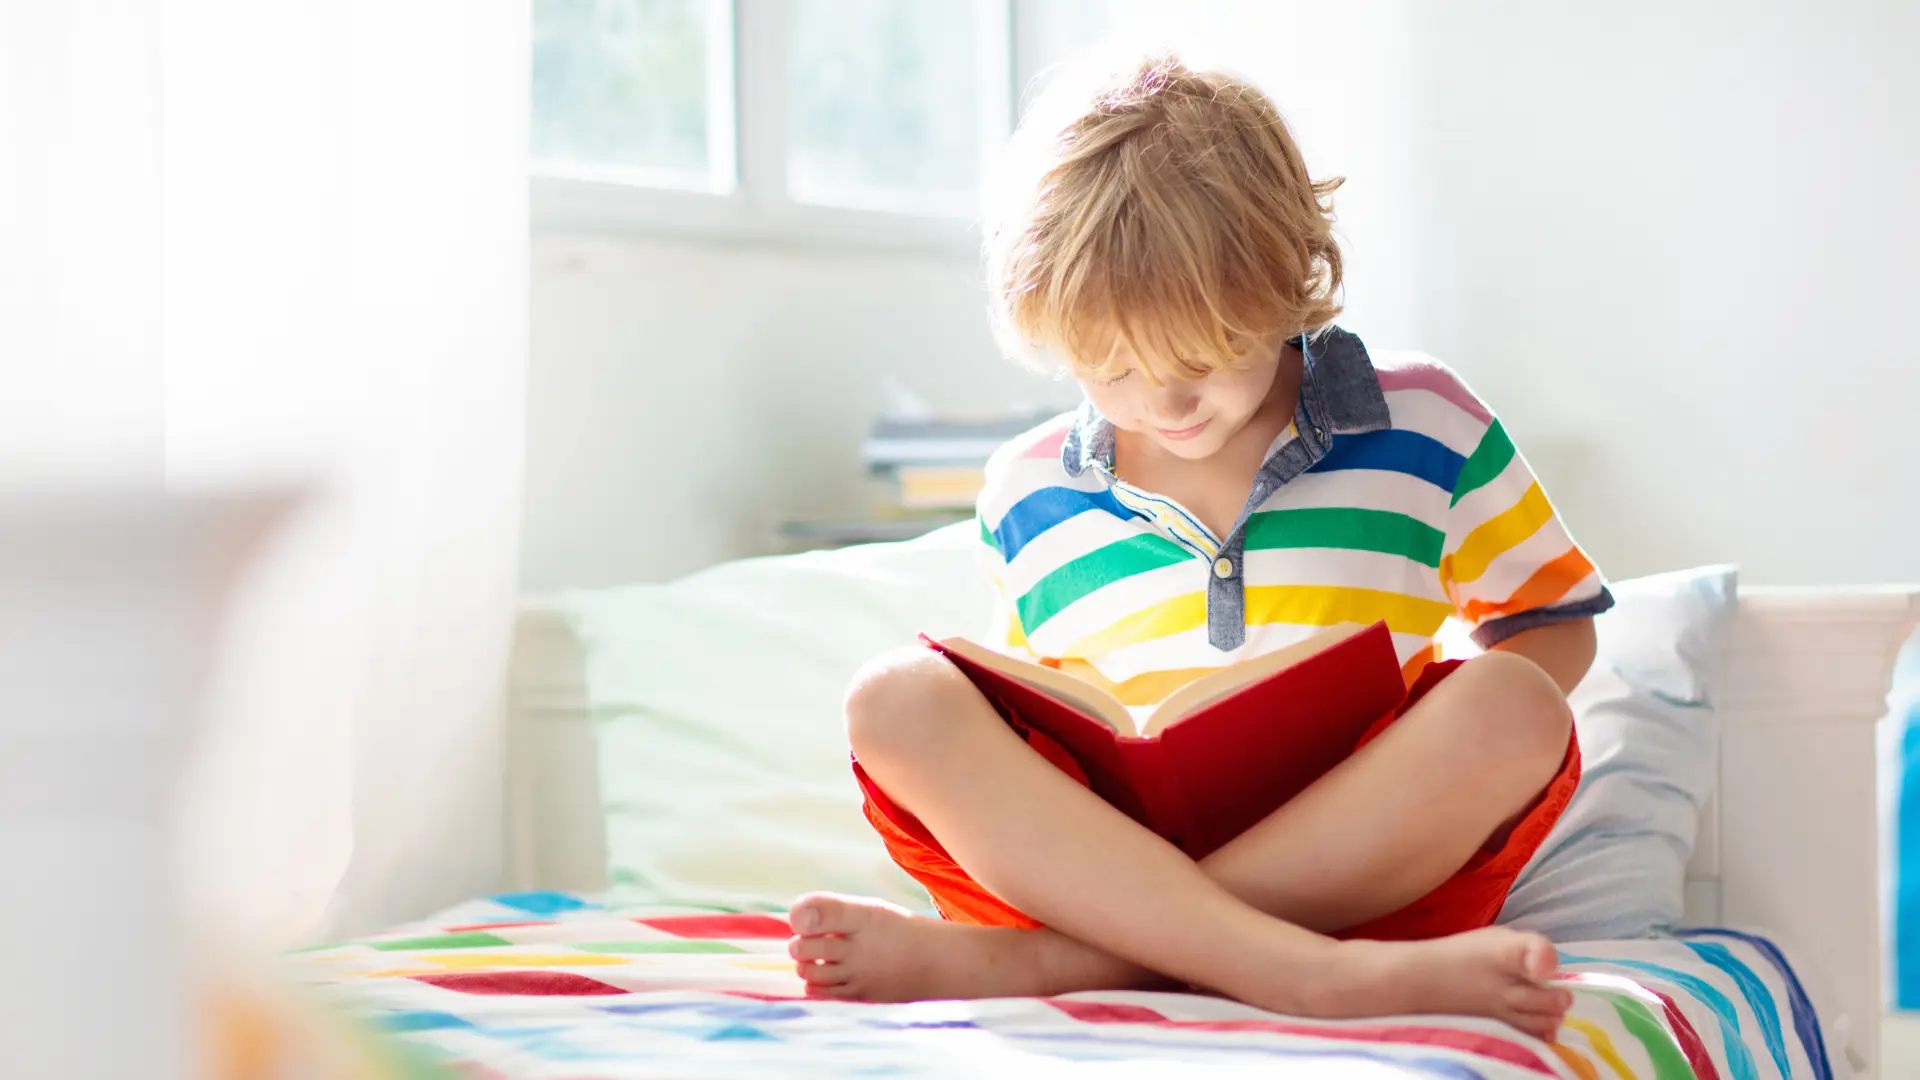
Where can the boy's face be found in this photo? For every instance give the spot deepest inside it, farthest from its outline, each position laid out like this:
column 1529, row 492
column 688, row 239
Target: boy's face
column 1190, row 418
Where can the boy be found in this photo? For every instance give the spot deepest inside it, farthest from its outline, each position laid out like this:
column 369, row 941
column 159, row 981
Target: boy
column 1241, row 475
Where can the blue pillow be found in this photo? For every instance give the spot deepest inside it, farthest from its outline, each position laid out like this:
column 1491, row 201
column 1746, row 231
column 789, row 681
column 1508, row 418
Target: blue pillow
column 1614, row 866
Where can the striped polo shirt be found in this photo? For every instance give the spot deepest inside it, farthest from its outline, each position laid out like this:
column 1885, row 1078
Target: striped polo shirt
column 1394, row 495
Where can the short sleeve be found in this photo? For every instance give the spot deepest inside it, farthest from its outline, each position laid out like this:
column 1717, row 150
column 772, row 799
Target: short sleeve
column 1027, row 463
column 1509, row 564
column 1005, row 635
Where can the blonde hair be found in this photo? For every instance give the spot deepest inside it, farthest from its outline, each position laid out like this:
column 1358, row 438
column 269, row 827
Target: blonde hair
column 1163, row 209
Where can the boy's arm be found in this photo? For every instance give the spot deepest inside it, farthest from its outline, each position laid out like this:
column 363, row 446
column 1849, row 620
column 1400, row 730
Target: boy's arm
column 1511, row 568
column 1564, row 650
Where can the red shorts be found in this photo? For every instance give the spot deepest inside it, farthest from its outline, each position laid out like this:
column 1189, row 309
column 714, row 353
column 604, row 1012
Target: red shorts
column 1468, row 900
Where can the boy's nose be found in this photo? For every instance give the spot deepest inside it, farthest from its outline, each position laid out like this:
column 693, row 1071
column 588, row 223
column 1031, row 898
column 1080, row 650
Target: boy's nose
column 1178, row 406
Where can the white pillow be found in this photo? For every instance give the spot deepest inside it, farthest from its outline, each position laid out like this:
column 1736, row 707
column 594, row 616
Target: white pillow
column 1614, row 866
column 724, row 769
column 724, row 765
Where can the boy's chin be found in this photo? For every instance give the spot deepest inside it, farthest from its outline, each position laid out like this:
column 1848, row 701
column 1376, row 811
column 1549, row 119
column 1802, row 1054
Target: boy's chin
column 1198, row 449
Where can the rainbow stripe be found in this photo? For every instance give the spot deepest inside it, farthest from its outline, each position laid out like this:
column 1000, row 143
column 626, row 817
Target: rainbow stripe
column 1805, row 1024
column 1733, row 1042
column 1424, row 514
column 662, row 987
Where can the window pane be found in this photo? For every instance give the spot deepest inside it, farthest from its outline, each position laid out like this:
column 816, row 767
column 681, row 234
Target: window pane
column 1057, row 29
column 633, row 84
column 884, row 104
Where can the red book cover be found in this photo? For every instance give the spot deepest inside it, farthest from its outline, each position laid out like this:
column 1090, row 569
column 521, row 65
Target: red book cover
column 1208, row 775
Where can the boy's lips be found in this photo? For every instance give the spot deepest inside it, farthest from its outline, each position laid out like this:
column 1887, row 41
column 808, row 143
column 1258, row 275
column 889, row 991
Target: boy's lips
column 1178, row 434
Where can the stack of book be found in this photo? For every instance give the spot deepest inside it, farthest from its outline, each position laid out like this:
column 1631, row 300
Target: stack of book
column 938, row 464
column 929, row 472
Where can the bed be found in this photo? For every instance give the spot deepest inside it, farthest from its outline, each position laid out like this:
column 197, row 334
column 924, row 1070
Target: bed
column 1778, row 976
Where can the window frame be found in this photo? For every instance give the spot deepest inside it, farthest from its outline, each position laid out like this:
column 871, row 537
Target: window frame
column 751, row 135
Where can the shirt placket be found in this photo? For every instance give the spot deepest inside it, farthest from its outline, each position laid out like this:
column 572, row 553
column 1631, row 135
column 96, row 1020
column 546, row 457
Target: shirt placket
column 1227, row 585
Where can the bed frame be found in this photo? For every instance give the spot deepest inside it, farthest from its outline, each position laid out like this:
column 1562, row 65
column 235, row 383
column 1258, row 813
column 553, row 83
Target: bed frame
column 1790, row 843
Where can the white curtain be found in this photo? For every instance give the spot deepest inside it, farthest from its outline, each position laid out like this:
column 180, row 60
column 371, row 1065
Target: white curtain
column 268, row 241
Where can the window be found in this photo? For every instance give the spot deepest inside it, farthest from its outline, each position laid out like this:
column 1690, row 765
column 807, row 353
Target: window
column 884, row 105
column 1045, row 31
column 790, row 120
column 635, row 91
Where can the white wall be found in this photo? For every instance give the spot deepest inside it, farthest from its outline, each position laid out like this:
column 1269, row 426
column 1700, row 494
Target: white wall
column 1677, row 245
column 684, row 398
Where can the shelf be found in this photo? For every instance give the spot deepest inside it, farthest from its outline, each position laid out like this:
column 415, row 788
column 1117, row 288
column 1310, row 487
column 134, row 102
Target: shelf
column 844, row 533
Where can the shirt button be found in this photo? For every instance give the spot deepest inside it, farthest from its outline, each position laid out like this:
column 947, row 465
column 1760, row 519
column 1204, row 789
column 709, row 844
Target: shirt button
column 1223, row 568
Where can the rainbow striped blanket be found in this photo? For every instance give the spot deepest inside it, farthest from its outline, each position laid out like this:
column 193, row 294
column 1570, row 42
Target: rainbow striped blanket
column 543, row 986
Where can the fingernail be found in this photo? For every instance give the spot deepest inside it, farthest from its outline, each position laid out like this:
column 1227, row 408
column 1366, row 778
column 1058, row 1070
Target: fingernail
column 805, row 920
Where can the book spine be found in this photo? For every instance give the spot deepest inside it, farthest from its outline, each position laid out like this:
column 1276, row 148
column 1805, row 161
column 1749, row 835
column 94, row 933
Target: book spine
column 939, row 487
column 1167, row 808
column 881, row 454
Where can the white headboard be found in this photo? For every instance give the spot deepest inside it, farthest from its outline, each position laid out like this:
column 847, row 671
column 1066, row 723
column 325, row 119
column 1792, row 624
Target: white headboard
column 1790, row 845
column 1791, row 842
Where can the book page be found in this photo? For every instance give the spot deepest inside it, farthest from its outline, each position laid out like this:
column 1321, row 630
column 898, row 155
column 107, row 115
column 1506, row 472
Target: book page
column 1078, row 693
column 1210, row 688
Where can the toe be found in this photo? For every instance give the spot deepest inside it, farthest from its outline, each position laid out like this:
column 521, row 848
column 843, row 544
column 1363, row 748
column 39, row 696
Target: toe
column 831, row 913
column 1537, row 958
column 817, row 913
column 832, row 949
column 817, row 974
column 841, row 991
column 1544, row 1028
column 1541, row 1000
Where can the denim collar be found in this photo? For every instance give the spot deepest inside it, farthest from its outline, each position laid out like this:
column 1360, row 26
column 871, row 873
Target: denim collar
column 1339, row 395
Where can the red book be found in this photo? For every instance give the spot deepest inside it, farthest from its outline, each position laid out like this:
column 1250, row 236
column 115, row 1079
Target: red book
column 1221, row 752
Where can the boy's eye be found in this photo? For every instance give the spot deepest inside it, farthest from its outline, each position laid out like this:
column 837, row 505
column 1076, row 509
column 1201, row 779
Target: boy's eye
column 1127, row 374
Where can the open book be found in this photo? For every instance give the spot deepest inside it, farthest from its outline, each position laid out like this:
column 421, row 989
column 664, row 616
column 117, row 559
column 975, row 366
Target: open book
column 1221, row 752
column 1097, row 703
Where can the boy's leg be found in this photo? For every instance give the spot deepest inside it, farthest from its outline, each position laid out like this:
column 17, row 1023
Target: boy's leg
column 1410, row 808
column 1058, row 852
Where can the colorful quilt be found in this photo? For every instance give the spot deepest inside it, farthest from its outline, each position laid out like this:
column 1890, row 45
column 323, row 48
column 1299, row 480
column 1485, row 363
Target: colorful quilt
column 543, row 986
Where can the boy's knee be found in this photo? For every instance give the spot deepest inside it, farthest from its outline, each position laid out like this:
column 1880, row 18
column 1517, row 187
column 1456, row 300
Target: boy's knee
column 1521, row 712
column 902, row 699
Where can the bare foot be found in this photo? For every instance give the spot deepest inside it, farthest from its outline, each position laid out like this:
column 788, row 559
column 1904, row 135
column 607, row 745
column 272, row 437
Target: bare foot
column 859, row 949
column 1495, row 972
